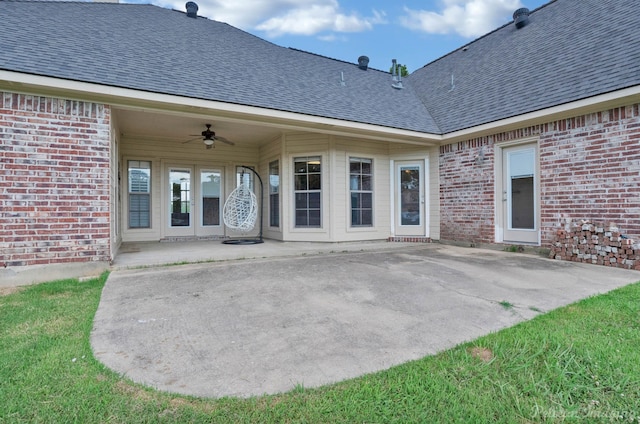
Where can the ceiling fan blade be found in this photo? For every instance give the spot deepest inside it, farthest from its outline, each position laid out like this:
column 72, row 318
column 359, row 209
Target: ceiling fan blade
column 224, row 140
column 189, row 141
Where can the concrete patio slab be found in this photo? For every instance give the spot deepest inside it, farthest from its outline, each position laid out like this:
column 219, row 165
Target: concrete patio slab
column 261, row 326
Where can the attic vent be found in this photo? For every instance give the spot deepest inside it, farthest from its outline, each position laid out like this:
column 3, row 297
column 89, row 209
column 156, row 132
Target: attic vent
column 521, row 17
column 363, row 62
column 192, row 9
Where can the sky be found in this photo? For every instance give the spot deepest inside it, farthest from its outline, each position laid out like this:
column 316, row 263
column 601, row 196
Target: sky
column 415, row 32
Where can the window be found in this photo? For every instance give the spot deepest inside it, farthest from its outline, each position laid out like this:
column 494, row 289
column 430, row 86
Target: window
column 308, row 190
column 361, row 188
column 139, row 194
column 274, row 193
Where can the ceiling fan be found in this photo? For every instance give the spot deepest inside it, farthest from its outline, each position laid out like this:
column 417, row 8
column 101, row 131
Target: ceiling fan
column 210, row 137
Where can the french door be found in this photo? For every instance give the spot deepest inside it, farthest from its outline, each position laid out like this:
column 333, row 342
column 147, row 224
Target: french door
column 193, row 201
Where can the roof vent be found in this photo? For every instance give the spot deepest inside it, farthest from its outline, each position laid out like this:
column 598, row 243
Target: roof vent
column 396, row 75
column 363, row 62
column 192, row 9
column 521, row 17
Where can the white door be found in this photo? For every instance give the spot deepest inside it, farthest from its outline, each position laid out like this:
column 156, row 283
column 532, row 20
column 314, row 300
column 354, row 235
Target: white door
column 209, row 203
column 409, row 198
column 520, row 194
column 193, row 201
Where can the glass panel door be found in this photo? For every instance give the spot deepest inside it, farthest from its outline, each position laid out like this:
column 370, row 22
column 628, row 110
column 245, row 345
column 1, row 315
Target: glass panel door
column 520, row 194
column 210, row 197
column 409, row 199
column 180, row 197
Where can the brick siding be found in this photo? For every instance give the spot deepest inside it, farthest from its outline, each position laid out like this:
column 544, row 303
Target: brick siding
column 467, row 191
column 54, row 168
column 589, row 170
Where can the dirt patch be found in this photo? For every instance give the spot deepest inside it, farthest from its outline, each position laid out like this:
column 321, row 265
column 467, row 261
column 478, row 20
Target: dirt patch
column 6, row 291
column 482, row 353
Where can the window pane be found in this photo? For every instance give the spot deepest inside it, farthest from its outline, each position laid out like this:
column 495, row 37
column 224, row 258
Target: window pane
column 314, row 165
column 355, row 200
column 210, row 211
column 367, row 200
column 300, row 167
column 367, row 217
column 180, row 206
column 301, row 218
column 354, row 182
column 410, row 195
column 522, row 203
column 314, row 181
column 274, row 177
column 301, row 182
column 139, row 211
column 354, row 166
column 274, row 210
column 314, row 218
column 302, row 201
column 366, row 166
column 367, row 183
column 314, row 200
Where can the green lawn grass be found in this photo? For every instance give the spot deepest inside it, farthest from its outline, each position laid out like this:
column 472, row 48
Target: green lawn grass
column 580, row 364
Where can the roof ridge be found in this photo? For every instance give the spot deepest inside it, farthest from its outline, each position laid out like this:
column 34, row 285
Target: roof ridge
column 333, row 58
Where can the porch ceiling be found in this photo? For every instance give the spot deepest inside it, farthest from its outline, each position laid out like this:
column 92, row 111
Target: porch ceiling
column 135, row 124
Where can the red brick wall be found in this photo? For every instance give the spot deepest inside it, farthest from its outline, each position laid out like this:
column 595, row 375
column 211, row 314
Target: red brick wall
column 54, row 169
column 467, row 191
column 589, row 170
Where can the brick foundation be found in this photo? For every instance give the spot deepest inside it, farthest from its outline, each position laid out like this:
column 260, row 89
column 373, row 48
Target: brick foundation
column 408, row 239
column 54, row 163
column 595, row 243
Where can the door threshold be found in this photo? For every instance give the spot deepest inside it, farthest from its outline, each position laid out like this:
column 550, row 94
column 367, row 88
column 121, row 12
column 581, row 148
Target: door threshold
column 174, row 239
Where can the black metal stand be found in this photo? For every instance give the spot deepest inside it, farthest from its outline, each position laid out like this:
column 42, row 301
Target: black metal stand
column 252, row 240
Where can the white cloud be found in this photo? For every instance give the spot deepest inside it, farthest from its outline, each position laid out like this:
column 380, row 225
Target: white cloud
column 316, row 18
column 279, row 17
column 469, row 18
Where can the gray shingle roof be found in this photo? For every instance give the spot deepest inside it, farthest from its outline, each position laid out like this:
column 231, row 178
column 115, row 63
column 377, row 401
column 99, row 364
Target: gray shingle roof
column 570, row 50
column 154, row 49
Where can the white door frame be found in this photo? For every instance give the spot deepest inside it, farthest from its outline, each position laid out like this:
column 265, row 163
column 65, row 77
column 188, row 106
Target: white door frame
column 504, row 232
column 398, row 228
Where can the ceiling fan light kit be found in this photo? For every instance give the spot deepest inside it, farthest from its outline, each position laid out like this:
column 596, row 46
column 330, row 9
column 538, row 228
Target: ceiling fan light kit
column 210, row 138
